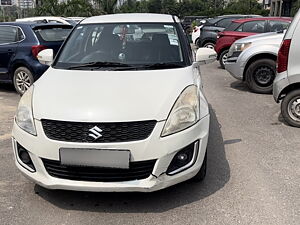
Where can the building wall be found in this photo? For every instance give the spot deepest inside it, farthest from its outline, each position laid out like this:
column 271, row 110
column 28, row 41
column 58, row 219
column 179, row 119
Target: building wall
column 281, row 8
column 25, row 4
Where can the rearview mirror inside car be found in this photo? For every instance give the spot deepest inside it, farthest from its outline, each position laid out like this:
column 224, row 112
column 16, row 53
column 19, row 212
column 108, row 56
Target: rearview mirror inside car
column 45, row 57
column 205, row 55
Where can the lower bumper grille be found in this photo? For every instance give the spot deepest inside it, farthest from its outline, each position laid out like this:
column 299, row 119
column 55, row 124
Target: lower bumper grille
column 137, row 171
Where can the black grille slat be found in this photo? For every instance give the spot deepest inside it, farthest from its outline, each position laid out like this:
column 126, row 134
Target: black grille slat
column 111, row 132
column 55, row 170
column 137, row 171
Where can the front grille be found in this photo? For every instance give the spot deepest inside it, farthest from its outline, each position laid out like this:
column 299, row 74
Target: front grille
column 137, row 171
column 111, row 132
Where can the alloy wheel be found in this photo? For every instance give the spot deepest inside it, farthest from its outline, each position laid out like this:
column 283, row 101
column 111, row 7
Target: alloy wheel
column 22, row 81
column 294, row 108
column 224, row 58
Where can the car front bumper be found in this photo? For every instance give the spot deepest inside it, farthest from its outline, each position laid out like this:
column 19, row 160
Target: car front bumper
column 163, row 149
column 235, row 67
column 281, row 81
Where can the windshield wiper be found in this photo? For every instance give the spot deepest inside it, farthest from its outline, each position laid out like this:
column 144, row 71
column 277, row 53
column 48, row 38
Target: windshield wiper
column 152, row 66
column 99, row 65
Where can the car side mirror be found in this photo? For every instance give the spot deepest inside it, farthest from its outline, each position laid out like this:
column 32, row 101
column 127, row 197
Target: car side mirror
column 45, row 57
column 206, row 55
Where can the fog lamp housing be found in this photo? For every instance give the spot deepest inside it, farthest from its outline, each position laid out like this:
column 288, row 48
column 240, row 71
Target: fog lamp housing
column 184, row 159
column 24, row 158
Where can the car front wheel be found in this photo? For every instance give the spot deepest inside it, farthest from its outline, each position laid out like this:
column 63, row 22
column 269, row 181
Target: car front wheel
column 22, row 79
column 223, row 58
column 290, row 108
column 260, row 76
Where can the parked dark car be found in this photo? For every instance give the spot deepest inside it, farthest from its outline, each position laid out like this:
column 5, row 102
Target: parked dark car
column 210, row 30
column 20, row 43
column 188, row 20
column 246, row 27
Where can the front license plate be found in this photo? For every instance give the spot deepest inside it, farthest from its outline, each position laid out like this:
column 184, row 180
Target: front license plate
column 95, row 157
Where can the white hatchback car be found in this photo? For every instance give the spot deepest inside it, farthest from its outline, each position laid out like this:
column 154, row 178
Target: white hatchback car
column 116, row 112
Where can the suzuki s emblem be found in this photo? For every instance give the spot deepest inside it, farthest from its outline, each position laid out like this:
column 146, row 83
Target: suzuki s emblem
column 95, row 133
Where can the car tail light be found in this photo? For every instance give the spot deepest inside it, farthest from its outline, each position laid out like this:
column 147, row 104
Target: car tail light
column 283, row 56
column 35, row 49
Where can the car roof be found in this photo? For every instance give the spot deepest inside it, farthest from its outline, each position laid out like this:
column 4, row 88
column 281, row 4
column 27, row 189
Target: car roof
column 40, row 18
column 237, row 15
column 34, row 24
column 262, row 18
column 131, row 18
column 17, row 23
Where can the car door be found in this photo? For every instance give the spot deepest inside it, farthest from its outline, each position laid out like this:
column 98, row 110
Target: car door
column 8, row 46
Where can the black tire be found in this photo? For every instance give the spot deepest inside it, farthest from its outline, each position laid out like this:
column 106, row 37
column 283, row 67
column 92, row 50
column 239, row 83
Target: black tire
column 198, row 43
column 202, row 172
column 22, row 79
column 260, row 76
column 209, row 45
column 222, row 57
column 292, row 117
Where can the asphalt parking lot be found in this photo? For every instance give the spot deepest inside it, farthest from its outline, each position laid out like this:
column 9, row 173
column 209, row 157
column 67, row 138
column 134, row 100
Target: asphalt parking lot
column 253, row 172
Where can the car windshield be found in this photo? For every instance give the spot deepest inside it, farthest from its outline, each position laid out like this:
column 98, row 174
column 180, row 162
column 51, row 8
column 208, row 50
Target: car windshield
column 52, row 33
column 103, row 46
column 213, row 21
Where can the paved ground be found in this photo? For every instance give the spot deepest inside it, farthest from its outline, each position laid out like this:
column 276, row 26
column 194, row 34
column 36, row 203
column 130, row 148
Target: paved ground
column 253, row 173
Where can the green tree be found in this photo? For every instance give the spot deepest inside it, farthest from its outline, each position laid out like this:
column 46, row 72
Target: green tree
column 295, row 7
column 69, row 8
column 49, row 8
column 170, row 7
column 77, row 8
column 245, row 7
column 155, row 6
column 107, row 6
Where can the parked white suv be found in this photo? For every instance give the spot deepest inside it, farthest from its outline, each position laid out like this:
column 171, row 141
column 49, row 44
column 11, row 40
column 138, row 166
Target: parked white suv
column 286, row 86
column 115, row 111
column 253, row 60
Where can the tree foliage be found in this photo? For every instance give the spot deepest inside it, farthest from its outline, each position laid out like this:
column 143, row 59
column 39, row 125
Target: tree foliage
column 180, row 8
column 245, row 7
column 76, row 8
column 194, row 7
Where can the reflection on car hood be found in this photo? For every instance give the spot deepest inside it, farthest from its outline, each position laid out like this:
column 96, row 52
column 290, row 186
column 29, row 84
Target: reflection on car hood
column 108, row 96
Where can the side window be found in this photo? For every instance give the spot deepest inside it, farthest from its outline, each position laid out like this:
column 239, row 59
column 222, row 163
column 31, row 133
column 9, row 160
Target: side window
column 20, row 35
column 225, row 22
column 252, row 27
column 276, row 26
column 8, row 34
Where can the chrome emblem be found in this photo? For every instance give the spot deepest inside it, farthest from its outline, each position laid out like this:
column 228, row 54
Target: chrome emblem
column 95, row 133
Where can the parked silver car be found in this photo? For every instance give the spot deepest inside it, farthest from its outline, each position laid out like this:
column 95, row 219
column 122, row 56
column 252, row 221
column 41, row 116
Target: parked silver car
column 253, row 60
column 287, row 83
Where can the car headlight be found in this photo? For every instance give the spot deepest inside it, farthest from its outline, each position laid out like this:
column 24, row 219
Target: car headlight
column 238, row 47
column 185, row 112
column 24, row 115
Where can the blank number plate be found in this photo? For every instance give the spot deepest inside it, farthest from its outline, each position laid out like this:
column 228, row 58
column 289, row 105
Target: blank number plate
column 97, row 158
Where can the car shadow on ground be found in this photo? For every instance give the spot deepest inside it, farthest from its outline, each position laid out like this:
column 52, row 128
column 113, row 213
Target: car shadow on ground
column 6, row 87
column 240, row 86
column 177, row 196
